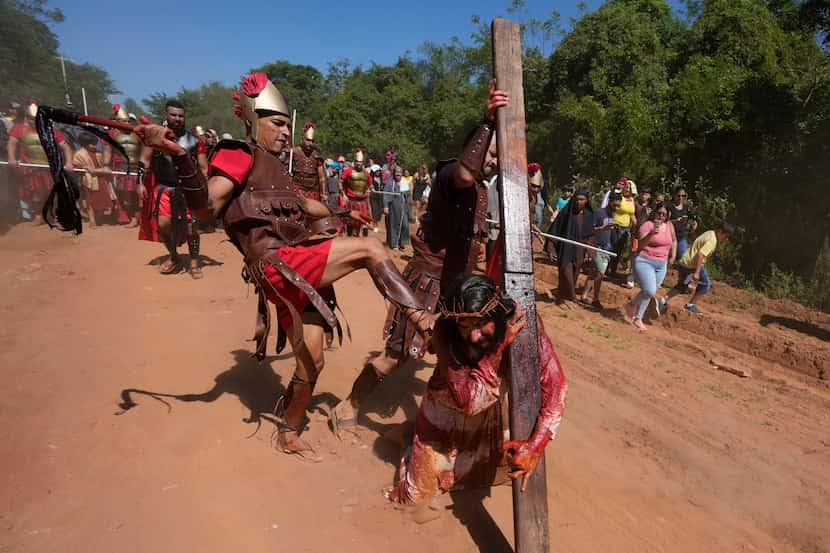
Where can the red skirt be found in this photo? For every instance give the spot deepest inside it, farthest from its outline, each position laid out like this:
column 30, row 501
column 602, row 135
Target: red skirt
column 149, row 229
column 97, row 200
column 34, row 184
column 310, row 263
column 357, row 205
column 125, row 183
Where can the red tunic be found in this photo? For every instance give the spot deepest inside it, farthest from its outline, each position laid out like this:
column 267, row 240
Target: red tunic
column 309, row 259
column 35, row 181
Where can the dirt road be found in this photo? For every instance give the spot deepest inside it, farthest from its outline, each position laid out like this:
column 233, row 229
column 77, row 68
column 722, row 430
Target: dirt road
column 658, row 450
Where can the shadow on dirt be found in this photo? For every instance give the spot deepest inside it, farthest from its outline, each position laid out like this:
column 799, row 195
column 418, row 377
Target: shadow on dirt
column 254, row 383
column 799, row 326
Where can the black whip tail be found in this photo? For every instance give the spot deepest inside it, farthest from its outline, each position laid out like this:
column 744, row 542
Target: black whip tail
column 61, row 207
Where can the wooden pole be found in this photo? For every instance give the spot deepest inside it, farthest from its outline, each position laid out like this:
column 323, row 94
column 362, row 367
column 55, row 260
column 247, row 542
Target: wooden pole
column 530, row 508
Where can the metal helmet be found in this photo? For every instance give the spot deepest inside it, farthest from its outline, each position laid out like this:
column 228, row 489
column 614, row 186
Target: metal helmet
column 258, row 94
column 199, row 130
column 308, row 131
column 119, row 113
column 31, row 108
column 358, row 155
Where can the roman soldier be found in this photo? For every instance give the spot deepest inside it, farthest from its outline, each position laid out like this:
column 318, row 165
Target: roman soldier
column 309, row 177
column 166, row 217
column 449, row 242
column 356, row 183
column 126, row 186
column 285, row 239
column 24, row 146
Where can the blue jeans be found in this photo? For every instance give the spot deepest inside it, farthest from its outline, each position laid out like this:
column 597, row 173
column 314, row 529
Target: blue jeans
column 650, row 274
column 703, row 284
column 682, row 246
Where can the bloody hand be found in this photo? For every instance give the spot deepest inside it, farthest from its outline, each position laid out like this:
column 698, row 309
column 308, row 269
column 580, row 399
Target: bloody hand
column 159, row 138
column 497, row 99
column 523, row 455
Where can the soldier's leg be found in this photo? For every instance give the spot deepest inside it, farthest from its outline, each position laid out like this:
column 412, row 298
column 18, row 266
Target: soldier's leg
column 350, row 254
column 374, row 371
column 295, row 402
column 165, row 229
column 193, row 244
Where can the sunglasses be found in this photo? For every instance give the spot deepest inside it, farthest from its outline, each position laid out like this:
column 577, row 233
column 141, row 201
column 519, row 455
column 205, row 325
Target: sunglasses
column 681, row 195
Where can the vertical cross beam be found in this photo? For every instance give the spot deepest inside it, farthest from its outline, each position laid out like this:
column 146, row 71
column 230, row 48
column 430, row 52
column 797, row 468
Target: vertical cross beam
column 530, row 508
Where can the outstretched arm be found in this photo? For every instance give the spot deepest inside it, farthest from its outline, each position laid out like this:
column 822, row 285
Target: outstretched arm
column 524, row 455
column 471, row 160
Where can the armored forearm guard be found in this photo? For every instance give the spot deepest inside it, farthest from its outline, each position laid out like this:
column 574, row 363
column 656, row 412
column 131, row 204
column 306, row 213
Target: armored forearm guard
column 140, row 171
column 192, row 182
column 473, row 155
column 340, row 211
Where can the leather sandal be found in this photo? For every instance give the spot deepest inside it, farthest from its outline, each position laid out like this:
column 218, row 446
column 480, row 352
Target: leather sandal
column 303, row 449
column 171, row 267
column 340, row 425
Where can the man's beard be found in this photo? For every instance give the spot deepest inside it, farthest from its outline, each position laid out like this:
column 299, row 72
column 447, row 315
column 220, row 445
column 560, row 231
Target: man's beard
column 475, row 351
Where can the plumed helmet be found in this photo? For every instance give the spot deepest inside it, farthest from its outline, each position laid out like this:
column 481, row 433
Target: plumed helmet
column 358, row 155
column 258, row 95
column 308, row 131
column 119, row 113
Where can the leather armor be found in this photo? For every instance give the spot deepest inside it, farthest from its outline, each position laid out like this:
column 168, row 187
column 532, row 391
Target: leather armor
column 306, row 173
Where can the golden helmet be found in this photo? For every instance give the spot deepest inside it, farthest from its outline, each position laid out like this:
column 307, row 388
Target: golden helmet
column 536, row 179
column 308, row 131
column 31, row 109
column 119, row 114
column 358, row 155
column 258, row 94
column 199, row 130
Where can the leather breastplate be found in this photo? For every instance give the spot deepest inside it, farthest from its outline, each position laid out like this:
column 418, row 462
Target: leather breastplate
column 130, row 143
column 358, row 183
column 305, row 170
column 30, row 143
column 266, row 214
column 162, row 164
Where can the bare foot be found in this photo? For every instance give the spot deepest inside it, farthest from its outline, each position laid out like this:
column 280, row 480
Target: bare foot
column 638, row 324
column 171, row 266
column 195, row 270
column 630, row 311
column 289, row 442
column 344, row 420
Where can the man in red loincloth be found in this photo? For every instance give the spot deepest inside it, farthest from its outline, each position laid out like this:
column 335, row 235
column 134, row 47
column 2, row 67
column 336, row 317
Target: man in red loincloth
column 126, row 186
column 281, row 234
column 166, row 218
column 97, row 194
column 356, row 184
column 308, row 173
column 24, row 146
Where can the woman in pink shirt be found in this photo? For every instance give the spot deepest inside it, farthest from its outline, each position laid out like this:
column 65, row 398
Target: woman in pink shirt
column 656, row 252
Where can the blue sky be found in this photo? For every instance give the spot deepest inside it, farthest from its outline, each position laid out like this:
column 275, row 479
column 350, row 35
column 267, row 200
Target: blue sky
column 160, row 46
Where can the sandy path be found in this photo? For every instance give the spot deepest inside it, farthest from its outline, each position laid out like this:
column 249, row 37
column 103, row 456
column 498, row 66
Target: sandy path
column 658, row 451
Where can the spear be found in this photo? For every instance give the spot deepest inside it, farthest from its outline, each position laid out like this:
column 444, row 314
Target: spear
column 42, row 166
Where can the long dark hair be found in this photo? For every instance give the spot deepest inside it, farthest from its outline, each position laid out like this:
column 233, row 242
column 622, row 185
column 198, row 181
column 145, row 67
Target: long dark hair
column 470, row 293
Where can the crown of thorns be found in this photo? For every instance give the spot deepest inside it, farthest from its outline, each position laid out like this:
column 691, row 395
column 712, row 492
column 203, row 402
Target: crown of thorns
column 457, row 311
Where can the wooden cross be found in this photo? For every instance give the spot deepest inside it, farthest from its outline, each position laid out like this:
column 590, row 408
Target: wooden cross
column 530, row 508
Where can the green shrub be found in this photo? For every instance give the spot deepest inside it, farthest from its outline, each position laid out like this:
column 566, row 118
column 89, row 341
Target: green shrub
column 778, row 284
